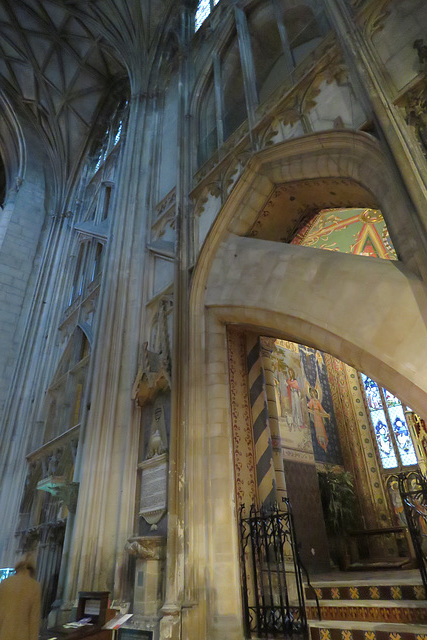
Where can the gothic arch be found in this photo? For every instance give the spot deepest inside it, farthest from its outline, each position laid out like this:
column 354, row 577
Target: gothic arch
column 284, row 290
column 12, row 144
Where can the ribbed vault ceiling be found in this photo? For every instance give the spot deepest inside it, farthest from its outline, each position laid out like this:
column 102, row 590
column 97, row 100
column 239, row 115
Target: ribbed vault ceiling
column 58, row 58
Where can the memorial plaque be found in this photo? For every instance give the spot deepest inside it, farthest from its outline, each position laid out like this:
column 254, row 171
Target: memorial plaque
column 154, row 478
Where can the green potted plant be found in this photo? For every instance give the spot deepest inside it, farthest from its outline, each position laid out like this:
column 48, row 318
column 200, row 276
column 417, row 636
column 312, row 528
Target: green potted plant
column 339, row 509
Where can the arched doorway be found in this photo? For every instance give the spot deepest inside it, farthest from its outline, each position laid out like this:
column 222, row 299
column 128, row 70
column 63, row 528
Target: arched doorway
column 314, row 298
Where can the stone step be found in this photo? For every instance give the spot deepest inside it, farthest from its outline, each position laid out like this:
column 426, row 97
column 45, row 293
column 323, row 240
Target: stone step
column 380, row 589
column 398, row 611
column 360, row 630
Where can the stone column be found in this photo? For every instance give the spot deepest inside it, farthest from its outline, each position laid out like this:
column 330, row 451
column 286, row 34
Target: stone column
column 266, row 453
column 283, row 33
column 178, row 583
column 105, row 511
column 247, row 62
column 267, row 347
column 149, row 552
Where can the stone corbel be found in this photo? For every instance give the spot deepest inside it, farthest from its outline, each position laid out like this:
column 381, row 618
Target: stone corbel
column 146, row 547
column 149, row 383
column 154, row 373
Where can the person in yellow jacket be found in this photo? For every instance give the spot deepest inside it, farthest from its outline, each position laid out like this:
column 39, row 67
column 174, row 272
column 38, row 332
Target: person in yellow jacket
column 20, row 600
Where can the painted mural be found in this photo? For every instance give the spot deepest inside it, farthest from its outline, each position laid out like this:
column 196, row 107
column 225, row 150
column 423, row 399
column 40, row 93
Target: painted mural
column 323, row 423
column 292, row 407
column 305, row 407
column 358, row 231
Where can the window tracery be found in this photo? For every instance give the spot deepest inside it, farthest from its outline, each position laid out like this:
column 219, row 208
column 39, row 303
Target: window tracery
column 388, row 419
column 111, row 136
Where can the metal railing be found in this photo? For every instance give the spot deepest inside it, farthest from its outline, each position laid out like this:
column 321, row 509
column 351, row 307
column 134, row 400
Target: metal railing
column 273, row 597
column 413, row 493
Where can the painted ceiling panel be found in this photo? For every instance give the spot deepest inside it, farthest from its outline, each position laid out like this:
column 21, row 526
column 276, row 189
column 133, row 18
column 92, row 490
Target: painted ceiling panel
column 358, row 231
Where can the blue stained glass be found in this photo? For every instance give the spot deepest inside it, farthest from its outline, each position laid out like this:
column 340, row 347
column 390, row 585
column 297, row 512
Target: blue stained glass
column 403, row 438
column 203, row 10
column 390, row 399
column 119, row 133
column 5, row 573
column 372, row 393
column 98, row 164
column 385, row 445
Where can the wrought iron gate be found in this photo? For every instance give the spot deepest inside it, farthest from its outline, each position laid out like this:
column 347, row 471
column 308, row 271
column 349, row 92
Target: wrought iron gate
column 272, row 574
column 413, row 493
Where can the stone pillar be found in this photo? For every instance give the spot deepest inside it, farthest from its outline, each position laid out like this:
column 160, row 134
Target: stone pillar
column 267, row 347
column 149, row 553
column 179, row 586
column 247, row 62
column 265, row 456
column 289, row 60
column 105, row 511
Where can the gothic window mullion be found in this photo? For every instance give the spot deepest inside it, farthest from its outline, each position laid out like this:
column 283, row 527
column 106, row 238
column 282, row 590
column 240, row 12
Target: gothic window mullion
column 390, row 428
column 379, row 424
column 400, row 430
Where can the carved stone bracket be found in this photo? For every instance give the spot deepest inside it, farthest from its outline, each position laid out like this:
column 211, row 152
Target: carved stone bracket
column 154, row 372
column 146, row 547
column 153, row 376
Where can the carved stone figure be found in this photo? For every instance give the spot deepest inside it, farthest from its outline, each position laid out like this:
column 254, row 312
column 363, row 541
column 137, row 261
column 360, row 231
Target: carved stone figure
column 157, row 442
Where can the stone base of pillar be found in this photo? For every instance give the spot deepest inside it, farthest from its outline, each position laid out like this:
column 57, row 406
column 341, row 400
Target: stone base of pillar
column 149, row 574
column 170, row 624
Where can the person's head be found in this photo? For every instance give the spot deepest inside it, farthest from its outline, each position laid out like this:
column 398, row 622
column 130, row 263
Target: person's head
column 26, row 563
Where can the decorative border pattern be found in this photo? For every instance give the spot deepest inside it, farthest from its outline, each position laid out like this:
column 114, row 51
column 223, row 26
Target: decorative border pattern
column 370, row 592
column 358, row 447
column 409, row 615
column 241, row 424
column 360, row 634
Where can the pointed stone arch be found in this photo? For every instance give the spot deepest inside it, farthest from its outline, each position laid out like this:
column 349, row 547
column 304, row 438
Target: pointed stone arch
column 307, row 295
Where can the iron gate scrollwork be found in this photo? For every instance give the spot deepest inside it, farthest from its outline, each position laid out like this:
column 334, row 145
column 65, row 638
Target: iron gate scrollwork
column 272, row 574
column 413, row 493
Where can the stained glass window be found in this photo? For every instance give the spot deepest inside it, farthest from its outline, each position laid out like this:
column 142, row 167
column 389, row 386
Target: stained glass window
column 203, row 10
column 391, row 430
column 118, row 133
column 5, row 573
